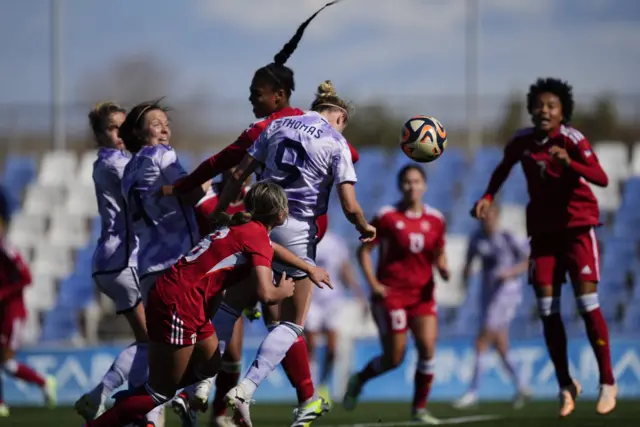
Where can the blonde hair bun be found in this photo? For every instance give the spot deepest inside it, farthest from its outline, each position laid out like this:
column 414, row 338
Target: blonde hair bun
column 326, row 89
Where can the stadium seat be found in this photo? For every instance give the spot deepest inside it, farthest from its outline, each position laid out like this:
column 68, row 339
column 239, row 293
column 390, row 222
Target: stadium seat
column 41, row 295
column 19, row 171
column 40, row 199
column 60, row 324
column 54, row 261
column 82, row 201
column 614, row 158
column 27, row 229
column 58, row 168
column 514, row 219
column 635, row 159
column 85, row 168
column 68, row 230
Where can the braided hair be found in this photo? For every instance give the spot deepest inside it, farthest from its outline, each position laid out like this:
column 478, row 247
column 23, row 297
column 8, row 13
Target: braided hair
column 279, row 75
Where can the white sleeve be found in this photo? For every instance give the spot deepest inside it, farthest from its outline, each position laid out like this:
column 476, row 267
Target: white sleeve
column 342, row 165
column 170, row 167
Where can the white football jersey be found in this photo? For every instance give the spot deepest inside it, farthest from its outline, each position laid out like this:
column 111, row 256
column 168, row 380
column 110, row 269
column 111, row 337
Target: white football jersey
column 307, row 157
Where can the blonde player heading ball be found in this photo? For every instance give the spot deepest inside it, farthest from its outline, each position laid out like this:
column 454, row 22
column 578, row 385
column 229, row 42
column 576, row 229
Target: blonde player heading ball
column 306, row 155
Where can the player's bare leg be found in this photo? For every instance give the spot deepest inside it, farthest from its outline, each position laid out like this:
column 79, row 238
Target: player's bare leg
column 470, row 397
column 556, row 341
column 598, row 335
column 425, row 332
column 326, row 366
column 501, row 343
column 394, row 344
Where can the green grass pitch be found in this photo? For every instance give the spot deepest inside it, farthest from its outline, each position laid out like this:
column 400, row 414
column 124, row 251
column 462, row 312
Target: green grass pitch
column 538, row 414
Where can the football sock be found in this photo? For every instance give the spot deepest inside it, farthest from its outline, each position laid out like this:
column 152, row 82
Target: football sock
column 598, row 335
column 296, row 366
column 23, row 372
column 555, row 337
column 374, row 368
column 226, row 379
column 270, row 354
column 129, row 409
column 422, row 383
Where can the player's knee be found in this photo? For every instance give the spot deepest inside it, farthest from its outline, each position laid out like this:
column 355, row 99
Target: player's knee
column 587, row 302
column 548, row 306
column 584, row 288
column 393, row 359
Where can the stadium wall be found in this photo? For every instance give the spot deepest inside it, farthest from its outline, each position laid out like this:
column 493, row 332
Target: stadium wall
column 77, row 370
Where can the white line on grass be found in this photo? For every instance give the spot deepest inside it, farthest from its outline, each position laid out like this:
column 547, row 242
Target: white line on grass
column 457, row 420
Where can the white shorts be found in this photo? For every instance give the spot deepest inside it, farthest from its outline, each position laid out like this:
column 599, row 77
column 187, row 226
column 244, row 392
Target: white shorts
column 498, row 314
column 299, row 236
column 325, row 316
column 147, row 282
column 121, row 286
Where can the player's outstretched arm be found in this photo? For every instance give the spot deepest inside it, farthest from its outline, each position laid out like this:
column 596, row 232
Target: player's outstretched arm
column 233, row 187
column 353, row 211
column 267, row 292
column 316, row 274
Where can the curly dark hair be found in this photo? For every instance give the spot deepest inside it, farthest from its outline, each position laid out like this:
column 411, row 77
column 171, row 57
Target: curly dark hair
column 279, row 75
column 559, row 88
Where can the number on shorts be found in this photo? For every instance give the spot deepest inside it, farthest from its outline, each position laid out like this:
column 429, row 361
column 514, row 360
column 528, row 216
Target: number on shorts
column 416, row 242
column 297, row 151
column 204, row 244
column 398, row 319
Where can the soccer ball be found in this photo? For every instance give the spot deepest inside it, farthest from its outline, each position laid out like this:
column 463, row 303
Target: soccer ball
column 423, row 138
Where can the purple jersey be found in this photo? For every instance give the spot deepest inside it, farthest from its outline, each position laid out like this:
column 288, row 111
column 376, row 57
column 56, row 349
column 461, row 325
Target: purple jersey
column 165, row 228
column 307, row 157
column 117, row 246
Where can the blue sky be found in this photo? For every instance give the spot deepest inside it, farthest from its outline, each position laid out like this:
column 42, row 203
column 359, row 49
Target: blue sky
column 406, row 49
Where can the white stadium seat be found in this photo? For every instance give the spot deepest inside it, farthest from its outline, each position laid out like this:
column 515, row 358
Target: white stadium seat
column 85, row 170
column 635, row 159
column 68, row 230
column 41, row 199
column 41, row 295
column 609, row 198
column 82, row 201
column 513, row 218
column 51, row 260
column 614, row 158
column 26, row 230
column 58, row 168
column 452, row 292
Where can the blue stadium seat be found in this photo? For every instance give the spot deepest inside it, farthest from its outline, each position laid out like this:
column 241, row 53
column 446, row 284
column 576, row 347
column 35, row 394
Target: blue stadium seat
column 60, row 324
column 631, row 322
column 19, row 170
column 76, row 291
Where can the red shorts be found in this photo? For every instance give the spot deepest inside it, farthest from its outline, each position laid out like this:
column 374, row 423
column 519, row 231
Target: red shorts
column 11, row 329
column 177, row 323
column 392, row 312
column 575, row 251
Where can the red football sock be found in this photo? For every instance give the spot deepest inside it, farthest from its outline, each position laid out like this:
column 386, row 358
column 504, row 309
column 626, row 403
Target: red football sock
column 226, row 379
column 126, row 410
column 598, row 334
column 422, row 383
column 556, row 340
column 25, row 373
column 296, row 366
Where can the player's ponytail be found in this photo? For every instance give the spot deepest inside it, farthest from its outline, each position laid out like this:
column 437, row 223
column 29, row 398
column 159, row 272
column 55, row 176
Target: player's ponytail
column 276, row 73
column 99, row 119
column 265, row 202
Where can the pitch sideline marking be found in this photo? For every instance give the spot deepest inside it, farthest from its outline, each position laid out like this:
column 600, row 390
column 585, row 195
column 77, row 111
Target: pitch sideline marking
column 456, row 420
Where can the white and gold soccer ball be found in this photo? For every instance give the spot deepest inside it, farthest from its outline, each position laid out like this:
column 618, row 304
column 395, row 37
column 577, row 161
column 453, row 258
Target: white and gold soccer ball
column 423, row 138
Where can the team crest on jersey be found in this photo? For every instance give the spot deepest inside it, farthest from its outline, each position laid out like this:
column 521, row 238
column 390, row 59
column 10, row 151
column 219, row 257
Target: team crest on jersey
column 425, row 226
column 400, row 225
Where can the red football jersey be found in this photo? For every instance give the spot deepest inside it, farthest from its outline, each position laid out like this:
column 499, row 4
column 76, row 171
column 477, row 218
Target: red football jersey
column 14, row 277
column 219, row 260
column 560, row 196
column 409, row 244
column 205, row 207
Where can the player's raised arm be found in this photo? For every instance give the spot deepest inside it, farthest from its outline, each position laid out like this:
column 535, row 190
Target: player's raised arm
column 247, row 166
column 498, row 177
